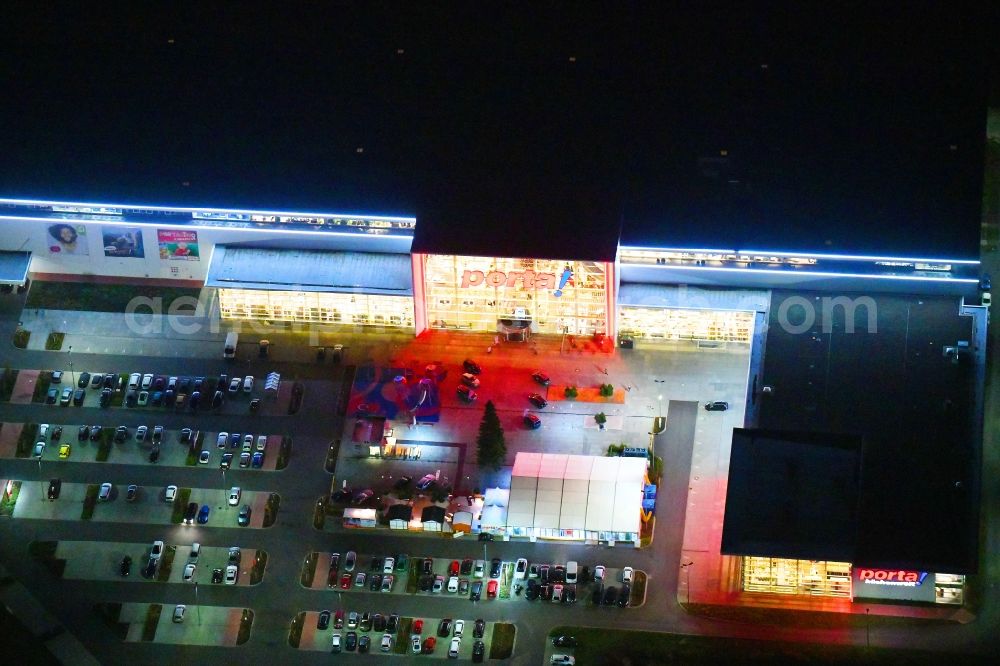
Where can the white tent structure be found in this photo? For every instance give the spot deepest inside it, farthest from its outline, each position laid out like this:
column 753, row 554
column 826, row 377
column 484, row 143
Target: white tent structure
column 592, row 498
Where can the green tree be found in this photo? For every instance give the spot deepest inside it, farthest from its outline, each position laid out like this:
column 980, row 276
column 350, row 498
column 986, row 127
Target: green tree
column 490, row 442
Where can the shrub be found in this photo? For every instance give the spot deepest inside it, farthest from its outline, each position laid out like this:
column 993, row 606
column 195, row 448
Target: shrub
column 570, row 392
column 600, row 418
column 607, row 390
column 21, row 337
column 55, row 341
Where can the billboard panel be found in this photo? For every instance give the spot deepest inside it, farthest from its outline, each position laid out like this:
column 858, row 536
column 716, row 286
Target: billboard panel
column 67, row 239
column 123, row 242
column 178, row 244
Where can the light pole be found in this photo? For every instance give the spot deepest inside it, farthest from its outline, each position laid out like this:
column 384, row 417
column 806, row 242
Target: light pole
column 687, row 572
column 868, row 628
column 659, row 400
column 196, row 604
column 72, row 376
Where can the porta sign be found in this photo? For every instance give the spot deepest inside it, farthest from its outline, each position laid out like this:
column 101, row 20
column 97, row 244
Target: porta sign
column 527, row 279
column 894, row 577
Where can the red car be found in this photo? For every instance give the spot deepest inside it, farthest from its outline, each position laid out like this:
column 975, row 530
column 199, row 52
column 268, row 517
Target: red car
column 338, row 620
column 491, row 589
column 429, row 644
column 418, row 626
column 453, row 568
column 345, row 581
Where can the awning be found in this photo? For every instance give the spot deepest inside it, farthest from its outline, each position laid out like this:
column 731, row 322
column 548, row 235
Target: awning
column 634, row 294
column 276, row 269
column 14, row 267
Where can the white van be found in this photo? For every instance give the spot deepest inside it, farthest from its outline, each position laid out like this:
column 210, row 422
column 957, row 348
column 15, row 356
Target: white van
column 229, row 351
column 571, row 572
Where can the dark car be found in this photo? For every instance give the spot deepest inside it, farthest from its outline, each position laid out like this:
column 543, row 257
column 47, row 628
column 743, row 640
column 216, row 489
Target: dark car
column 195, row 399
column 217, row 575
column 217, row 399
column 426, row 582
column 392, row 624
column 84, row 380
column 471, row 366
column 159, row 383
column 495, row 567
column 95, row 433
column 545, row 592
column 537, row 400
column 51, row 396
column 564, row 641
column 466, row 567
column 55, row 486
column 569, row 594
column 156, row 399
column 597, row 595
column 485, row 536
column 479, row 628
column 131, row 398
column 426, row 482
column 335, row 562
column 234, row 440
column 351, row 644
column 243, row 519
column 227, row 461
column 402, row 482
column 105, row 400
column 477, row 590
column 255, row 405
column 184, row 385
column 610, row 596
column 78, row 397
column 532, row 421
column 154, row 453
column 540, row 377
column 427, row 566
column 198, row 383
column 96, row 380
column 323, row 620
column 169, row 397
column 190, row 513
column 623, row 595
column 478, row 652
column 364, row 644
column 558, row 574
column 376, row 582
column 444, row 628
column 109, row 380
column 125, row 568
column 203, row 514
column 121, row 433
column 717, row 406
column 466, row 393
column 56, row 433
column 378, row 622
column 532, row 592
column 149, row 570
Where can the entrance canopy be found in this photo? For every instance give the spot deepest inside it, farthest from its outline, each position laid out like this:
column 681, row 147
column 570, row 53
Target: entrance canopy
column 277, row 269
column 14, row 267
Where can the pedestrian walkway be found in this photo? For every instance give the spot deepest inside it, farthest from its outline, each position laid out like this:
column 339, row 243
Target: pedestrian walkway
column 24, row 387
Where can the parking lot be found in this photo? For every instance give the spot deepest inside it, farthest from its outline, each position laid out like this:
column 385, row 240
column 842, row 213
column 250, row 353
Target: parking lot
column 201, row 625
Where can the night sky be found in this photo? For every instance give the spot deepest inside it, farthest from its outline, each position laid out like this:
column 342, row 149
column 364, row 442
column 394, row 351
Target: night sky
column 543, row 131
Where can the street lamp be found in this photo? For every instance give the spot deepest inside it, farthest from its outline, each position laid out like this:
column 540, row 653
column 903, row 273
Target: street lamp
column 72, row 376
column 687, row 571
column 659, row 399
column 196, row 604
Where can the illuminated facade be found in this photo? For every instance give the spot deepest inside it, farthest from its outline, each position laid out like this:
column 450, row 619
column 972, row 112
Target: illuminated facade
column 366, row 310
column 500, row 294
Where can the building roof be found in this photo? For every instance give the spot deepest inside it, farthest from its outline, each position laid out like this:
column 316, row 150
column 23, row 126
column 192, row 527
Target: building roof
column 14, row 267
column 566, row 492
column 432, row 514
column 890, row 380
column 235, row 267
column 793, row 495
column 400, row 512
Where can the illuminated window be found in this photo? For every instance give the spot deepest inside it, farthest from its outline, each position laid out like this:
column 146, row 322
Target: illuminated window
column 784, row 576
column 317, row 307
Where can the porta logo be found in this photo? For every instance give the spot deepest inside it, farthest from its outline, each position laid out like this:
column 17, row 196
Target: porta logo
column 892, row 577
column 528, row 279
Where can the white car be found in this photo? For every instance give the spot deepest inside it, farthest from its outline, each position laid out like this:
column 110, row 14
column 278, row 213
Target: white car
column 156, row 551
column 105, row 493
column 232, row 574
column 234, row 495
column 140, row 433
column 459, row 628
column 261, row 442
column 454, row 648
column 221, row 440
column 480, row 569
column 388, row 564
column 335, row 643
column 415, row 644
column 157, row 434
column 179, row 613
column 147, row 381
column 453, row 585
column 562, row 660
column 520, row 569
column 599, row 571
column 43, row 430
column 133, row 381
column 39, row 449
column 247, row 443
column 170, row 494
column 195, row 553
column 248, row 384
column 386, row 642
column 627, row 574
column 189, row 570
column 234, row 385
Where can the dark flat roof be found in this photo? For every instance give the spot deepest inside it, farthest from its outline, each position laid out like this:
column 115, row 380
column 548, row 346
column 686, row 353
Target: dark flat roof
column 793, row 495
column 915, row 408
column 755, row 128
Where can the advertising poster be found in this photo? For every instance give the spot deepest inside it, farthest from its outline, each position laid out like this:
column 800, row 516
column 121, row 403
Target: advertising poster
column 67, row 239
column 122, row 242
column 178, row 244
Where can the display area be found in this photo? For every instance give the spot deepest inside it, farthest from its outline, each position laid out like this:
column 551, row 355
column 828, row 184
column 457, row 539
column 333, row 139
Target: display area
column 786, row 576
column 669, row 324
column 318, row 307
column 507, row 294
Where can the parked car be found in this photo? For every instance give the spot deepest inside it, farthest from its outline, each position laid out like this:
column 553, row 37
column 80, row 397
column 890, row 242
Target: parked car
column 203, row 514
column 156, row 551
column 470, row 380
column 427, row 482
column 157, row 434
column 125, row 567
column 540, row 377
column 537, row 400
column 335, row 644
column 104, row 494
column 495, row 567
column 140, row 433
column 471, row 366
column 170, row 494
column 466, row 393
column 67, row 395
column 248, row 384
column 520, row 569
column 234, row 495
column 345, row 581
column 39, row 449
column 179, row 610
column 57, row 376
column 532, row 421
column 480, row 569
column 716, row 406
column 84, row 380
column 350, row 560
column 429, row 644
column 55, row 487
column 221, row 440
column 204, row 457
column 491, row 589
column 257, row 461
column 95, row 432
column 261, row 442
column 226, row 461
column 121, row 434
column 415, row 646
column 78, row 397
column 189, row 570
column 232, row 574
column 132, row 493
column 323, row 620
column 217, row 576
column 628, row 573
column 244, row 460
column 454, row 648
column 190, row 513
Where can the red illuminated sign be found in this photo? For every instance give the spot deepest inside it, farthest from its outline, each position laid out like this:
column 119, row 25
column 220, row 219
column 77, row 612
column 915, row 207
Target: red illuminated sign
column 891, row 577
column 529, row 279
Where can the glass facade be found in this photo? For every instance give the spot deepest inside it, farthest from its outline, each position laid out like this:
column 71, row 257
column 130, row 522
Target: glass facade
column 494, row 294
column 783, row 576
column 665, row 324
column 318, row 307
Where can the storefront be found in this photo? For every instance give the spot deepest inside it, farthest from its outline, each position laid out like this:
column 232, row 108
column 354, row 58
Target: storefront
column 840, row 579
column 513, row 296
column 318, row 307
column 678, row 313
